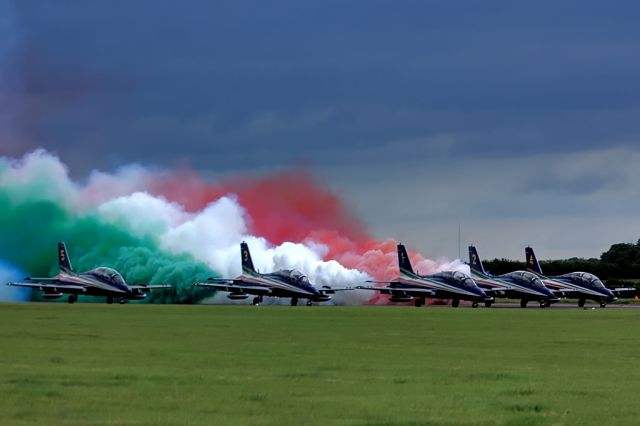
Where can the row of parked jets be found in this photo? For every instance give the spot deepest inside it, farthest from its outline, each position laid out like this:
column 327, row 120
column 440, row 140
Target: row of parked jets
column 529, row 285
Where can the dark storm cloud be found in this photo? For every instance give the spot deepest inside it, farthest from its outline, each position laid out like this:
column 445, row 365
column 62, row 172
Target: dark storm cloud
column 249, row 83
column 516, row 120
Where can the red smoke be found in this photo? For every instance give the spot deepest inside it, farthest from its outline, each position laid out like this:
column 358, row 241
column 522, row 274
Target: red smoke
column 286, row 206
column 292, row 206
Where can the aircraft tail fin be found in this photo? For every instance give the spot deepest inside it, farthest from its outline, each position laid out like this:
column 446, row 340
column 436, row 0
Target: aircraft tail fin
column 63, row 258
column 403, row 261
column 474, row 261
column 247, row 263
column 532, row 261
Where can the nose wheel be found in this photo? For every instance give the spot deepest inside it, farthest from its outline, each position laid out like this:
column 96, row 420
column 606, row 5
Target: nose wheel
column 309, row 303
column 73, row 298
column 256, row 300
column 523, row 303
column 418, row 302
column 475, row 304
column 581, row 303
column 294, row 301
column 603, row 303
column 455, row 303
column 123, row 300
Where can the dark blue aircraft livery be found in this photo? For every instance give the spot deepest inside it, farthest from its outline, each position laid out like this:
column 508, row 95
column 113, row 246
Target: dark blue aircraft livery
column 96, row 282
column 282, row 283
column 578, row 285
column 443, row 285
column 522, row 285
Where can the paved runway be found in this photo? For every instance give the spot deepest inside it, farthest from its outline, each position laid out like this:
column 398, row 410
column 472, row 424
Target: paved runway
column 533, row 305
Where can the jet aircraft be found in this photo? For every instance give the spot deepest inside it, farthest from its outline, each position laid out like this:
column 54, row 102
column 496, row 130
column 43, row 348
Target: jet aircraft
column 580, row 285
column 96, row 282
column 522, row 285
column 410, row 286
column 282, row 283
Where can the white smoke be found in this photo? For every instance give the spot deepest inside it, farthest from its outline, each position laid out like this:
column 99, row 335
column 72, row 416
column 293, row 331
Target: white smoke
column 214, row 234
column 211, row 235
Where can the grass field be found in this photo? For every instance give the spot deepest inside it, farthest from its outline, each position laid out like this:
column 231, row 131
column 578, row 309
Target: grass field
column 90, row 364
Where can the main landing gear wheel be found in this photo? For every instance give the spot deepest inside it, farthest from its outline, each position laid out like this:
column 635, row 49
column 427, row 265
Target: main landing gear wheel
column 523, row 303
column 73, row 298
column 487, row 303
column 581, row 303
column 256, row 300
column 309, row 303
column 294, row 301
column 475, row 304
column 123, row 300
column 418, row 302
column 603, row 303
column 455, row 303
column 543, row 304
column 109, row 300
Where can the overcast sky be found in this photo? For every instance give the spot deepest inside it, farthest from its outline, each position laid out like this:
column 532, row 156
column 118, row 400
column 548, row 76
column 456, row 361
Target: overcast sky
column 518, row 121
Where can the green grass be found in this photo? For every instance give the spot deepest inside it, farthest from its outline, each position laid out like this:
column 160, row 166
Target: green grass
column 224, row 365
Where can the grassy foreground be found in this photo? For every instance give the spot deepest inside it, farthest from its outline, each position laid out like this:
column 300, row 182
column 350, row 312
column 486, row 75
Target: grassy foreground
column 224, row 365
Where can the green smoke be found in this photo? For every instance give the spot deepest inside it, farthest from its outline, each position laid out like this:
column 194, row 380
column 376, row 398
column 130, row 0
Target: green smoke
column 31, row 228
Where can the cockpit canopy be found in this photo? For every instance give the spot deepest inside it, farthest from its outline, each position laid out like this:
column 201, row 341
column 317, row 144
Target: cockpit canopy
column 294, row 275
column 585, row 278
column 108, row 274
column 527, row 277
column 459, row 277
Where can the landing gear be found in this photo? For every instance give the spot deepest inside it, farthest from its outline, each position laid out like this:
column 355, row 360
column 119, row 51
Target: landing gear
column 543, row 304
column 581, row 303
column 294, row 301
column 455, row 303
column 256, row 300
column 418, row 302
column 109, row 300
column 309, row 303
column 123, row 300
column 73, row 298
column 603, row 303
column 487, row 303
column 475, row 304
column 523, row 303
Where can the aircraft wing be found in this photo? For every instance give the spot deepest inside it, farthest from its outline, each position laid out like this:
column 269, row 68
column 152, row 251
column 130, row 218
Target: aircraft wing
column 42, row 280
column 233, row 286
column 489, row 289
column 564, row 292
column 388, row 289
column 331, row 290
column 625, row 293
column 52, row 284
column 149, row 287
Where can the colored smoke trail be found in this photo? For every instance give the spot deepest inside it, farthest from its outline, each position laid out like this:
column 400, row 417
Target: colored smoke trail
column 291, row 206
column 159, row 227
column 285, row 206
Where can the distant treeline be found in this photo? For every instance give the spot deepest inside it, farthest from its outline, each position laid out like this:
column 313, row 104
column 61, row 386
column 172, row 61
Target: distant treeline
column 621, row 262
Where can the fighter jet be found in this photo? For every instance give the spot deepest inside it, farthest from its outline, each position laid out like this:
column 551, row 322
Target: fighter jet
column 282, row 283
column 522, row 285
column 410, row 286
column 96, row 282
column 579, row 285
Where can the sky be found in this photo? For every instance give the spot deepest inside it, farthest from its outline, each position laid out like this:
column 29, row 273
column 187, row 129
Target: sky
column 516, row 123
